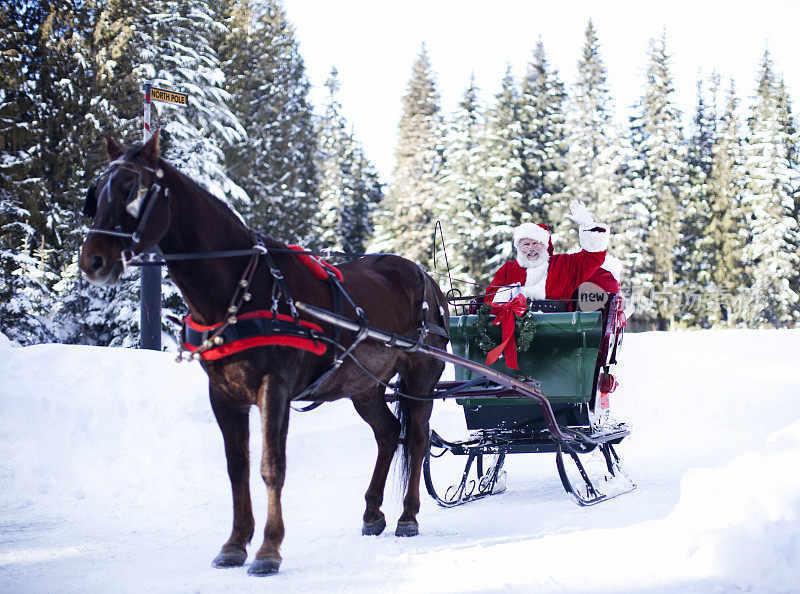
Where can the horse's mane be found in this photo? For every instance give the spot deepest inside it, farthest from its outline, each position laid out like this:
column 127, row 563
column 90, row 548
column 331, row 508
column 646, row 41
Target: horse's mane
column 220, row 206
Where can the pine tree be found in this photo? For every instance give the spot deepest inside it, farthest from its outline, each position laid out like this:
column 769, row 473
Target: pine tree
column 182, row 57
column 359, row 216
column 66, row 74
column 692, row 263
column 544, row 143
column 118, row 41
column 411, row 210
column 657, row 180
column 771, row 251
column 118, row 35
column 274, row 161
column 44, row 103
column 789, row 126
column 464, row 191
column 506, row 201
column 725, row 221
column 593, row 155
column 349, row 189
column 20, row 124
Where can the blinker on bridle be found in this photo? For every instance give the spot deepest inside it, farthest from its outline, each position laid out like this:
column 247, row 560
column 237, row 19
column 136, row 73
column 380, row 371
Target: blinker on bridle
column 139, row 203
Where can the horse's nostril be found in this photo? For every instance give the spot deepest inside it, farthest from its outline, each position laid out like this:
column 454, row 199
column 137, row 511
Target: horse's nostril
column 96, row 263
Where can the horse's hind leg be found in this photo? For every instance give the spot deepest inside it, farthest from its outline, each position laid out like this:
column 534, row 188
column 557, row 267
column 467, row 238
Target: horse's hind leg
column 371, row 406
column 419, row 380
column 417, row 442
column 233, row 422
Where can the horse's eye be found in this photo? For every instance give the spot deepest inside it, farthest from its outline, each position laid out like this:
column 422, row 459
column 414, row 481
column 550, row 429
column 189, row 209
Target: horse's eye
column 90, row 204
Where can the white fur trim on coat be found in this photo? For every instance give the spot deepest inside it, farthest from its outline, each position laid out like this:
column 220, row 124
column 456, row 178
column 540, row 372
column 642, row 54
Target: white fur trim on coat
column 530, row 231
column 614, row 266
column 536, row 281
column 593, row 241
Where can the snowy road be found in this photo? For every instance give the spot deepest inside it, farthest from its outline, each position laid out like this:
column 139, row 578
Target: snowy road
column 112, row 478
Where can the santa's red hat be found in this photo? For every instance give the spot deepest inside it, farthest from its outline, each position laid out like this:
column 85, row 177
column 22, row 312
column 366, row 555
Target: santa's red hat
column 537, row 232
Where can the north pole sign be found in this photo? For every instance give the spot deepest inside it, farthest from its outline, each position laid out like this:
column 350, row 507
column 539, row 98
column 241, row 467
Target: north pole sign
column 165, row 96
column 150, row 311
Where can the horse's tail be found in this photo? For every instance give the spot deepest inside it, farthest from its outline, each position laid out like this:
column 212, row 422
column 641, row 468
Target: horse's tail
column 432, row 306
column 403, row 412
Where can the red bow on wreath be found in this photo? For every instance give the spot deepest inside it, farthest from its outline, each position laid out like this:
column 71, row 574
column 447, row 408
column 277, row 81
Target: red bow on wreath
column 505, row 317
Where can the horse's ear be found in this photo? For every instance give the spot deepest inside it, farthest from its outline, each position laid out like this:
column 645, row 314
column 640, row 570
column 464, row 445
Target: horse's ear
column 113, row 150
column 152, row 149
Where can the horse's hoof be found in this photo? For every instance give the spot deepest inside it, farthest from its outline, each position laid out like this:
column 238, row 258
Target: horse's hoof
column 375, row 528
column 230, row 558
column 410, row 528
column 265, row 566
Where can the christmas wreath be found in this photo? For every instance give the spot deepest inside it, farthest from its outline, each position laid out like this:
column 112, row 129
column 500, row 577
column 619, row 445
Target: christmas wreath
column 524, row 331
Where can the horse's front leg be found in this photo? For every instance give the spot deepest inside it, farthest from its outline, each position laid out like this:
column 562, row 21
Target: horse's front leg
column 273, row 401
column 234, row 424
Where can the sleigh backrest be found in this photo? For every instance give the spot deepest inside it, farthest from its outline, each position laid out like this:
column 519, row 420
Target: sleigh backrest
column 562, row 355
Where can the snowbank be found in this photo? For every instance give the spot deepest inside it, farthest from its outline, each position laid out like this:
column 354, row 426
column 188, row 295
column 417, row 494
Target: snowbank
column 112, row 472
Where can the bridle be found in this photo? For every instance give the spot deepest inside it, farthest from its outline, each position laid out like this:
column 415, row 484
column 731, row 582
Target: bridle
column 139, row 203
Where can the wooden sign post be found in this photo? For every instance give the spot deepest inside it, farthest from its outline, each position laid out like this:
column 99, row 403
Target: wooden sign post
column 150, row 296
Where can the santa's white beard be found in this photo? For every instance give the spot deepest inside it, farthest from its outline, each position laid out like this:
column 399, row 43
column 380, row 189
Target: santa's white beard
column 535, row 260
column 536, row 274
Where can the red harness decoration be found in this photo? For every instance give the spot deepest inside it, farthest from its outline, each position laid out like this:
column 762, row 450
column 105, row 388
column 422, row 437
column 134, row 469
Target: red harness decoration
column 317, row 265
column 248, row 342
column 505, row 317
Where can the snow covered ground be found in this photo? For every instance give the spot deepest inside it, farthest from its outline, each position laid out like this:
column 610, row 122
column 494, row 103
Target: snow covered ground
column 112, row 478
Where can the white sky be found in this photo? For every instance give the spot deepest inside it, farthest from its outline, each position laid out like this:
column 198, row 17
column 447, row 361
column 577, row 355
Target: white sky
column 373, row 44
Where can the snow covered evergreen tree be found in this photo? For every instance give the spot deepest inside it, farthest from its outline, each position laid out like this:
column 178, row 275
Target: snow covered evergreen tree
column 544, row 143
column 464, row 192
column 769, row 203
column 725, row 221
column 20, row 121
column 506, row 200
column 693, row 263
column 593, row 156
column 26, row 316
column 410, row 210
column 789, row 125
column 349, row 188
column 44, row 100
column 182, row 57
column 274, row 160
column 115, row 38
column 656, row 181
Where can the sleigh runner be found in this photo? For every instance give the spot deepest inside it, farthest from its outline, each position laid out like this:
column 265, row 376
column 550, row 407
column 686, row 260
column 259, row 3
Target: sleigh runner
column 570, row 358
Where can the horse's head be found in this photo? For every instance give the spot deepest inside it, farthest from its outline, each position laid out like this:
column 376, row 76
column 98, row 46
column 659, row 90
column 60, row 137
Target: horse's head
column 130, row 210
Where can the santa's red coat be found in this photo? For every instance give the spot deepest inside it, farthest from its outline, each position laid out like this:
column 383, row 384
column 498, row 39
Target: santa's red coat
column 565, row 273
column 605, row 280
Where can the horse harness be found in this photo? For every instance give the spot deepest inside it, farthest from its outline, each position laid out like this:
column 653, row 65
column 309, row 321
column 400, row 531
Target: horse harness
column 239, row 332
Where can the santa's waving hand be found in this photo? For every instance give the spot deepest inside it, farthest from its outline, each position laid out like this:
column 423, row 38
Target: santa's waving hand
column 545, row 275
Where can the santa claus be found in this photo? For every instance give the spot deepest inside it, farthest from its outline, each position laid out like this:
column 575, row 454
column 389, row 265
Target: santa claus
column 540, row 274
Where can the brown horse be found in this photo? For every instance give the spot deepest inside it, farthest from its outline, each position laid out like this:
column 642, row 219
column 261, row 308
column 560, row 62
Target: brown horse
column 141, row 201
